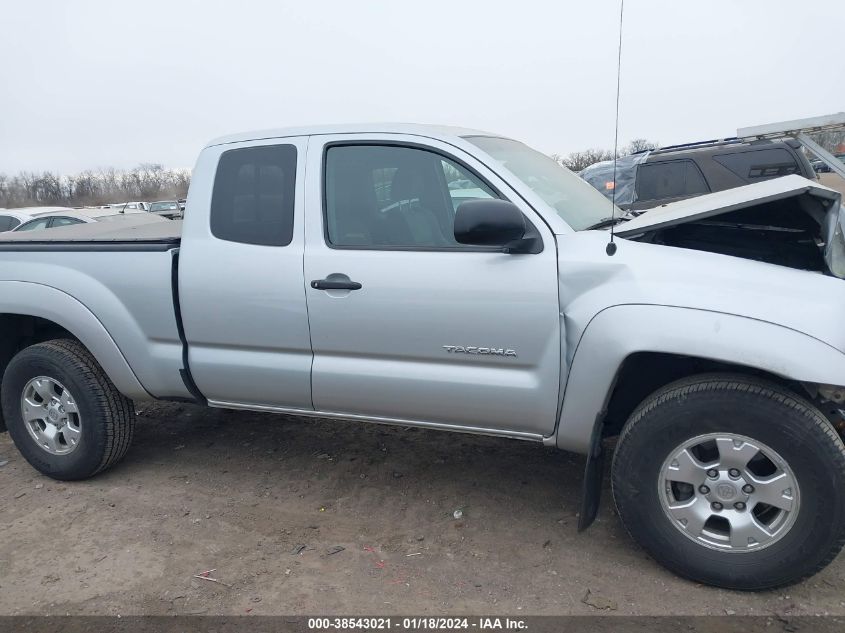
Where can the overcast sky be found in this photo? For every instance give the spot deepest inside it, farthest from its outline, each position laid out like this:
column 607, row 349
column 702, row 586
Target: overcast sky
column 95, row 83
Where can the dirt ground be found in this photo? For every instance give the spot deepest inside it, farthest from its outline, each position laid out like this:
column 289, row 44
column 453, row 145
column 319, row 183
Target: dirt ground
column 303, row 516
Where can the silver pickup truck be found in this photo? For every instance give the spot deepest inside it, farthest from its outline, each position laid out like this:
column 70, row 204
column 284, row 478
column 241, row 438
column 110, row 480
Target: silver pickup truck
column 459, row 280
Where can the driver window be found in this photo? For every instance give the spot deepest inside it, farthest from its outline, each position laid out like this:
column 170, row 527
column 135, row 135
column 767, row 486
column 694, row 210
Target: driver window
column 391, row 196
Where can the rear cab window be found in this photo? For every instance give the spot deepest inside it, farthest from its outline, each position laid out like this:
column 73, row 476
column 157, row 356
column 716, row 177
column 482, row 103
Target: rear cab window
column 253, row 195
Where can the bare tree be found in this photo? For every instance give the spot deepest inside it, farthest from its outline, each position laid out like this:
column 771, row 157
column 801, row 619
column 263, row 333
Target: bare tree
column 576, row 161
column 832, row 141
column 639, row 145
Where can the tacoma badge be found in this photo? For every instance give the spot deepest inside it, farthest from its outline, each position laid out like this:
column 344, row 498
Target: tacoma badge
column 486, row 351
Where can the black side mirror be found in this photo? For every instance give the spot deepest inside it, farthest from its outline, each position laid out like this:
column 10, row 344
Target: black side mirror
column 489, row 222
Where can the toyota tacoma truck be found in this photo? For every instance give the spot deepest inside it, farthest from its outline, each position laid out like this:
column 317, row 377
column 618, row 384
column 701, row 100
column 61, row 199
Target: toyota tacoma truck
column 459, row 280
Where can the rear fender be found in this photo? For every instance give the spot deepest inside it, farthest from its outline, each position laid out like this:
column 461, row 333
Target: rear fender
column 46, row 302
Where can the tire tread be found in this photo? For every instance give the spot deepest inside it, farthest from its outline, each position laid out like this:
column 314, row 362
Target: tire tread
column 752, row 386
column 117, row 411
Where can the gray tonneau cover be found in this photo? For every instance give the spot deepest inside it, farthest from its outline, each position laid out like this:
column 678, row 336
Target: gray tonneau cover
column 168, row 231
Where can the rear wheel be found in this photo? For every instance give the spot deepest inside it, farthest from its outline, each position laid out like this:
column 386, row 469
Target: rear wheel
column 732, row 481
column 63, row 413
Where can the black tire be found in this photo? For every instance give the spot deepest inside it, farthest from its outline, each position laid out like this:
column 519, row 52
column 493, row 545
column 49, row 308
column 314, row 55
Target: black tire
column 107, row 416
column 762, row 411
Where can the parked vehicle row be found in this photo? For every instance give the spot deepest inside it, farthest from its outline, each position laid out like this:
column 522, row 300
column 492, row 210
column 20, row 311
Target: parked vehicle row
column 40, row 218
column 70, row 217
column 128, row 207
column 459, row 280
column 166, row 208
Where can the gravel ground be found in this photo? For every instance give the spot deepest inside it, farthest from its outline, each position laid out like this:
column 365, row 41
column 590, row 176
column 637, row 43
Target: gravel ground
column 300, row 516
column 834, row 181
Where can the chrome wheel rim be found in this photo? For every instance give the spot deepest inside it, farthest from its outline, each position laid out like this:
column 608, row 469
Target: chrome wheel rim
column 729, row 492
column 51, row 415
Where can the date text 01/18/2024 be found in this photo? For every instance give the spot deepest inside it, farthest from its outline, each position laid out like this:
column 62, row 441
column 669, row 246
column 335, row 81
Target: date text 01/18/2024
column 416, row 623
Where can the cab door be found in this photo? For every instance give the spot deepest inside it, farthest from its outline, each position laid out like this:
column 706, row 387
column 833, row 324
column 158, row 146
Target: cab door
column 407, row 324
column 240, row 276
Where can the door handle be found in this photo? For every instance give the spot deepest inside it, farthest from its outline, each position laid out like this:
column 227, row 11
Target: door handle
column 335, row 284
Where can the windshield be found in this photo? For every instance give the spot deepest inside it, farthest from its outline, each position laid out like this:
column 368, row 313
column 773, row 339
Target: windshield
column 573, row 199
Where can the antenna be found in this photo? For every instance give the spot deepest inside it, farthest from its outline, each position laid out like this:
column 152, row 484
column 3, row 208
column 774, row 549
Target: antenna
column 611, row 247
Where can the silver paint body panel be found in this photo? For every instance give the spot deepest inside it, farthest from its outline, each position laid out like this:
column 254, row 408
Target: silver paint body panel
column 118, row 304
column 379, row 351
column 243, row 305
column 260, row 338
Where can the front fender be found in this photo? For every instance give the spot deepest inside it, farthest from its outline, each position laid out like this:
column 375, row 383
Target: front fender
column 619, row 331
column 38, row 300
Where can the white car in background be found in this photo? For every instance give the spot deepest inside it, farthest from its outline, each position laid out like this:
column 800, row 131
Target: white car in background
column 12, row 218
column 68, row 217
column 129, row 207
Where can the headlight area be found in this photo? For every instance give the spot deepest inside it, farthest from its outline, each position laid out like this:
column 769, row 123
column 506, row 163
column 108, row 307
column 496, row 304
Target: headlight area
column 833, row 234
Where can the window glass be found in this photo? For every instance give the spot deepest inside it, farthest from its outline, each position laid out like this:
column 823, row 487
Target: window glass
column 760, row 164
column 63, row 221
column 669, row 179
column 460, row 187
column 253, row 197
column 40, row 223
column 7, row 223
column 383, row 196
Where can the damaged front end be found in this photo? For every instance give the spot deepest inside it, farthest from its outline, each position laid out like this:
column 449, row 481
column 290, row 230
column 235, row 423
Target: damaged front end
column 833, row 234
column 830, row 400
column 789, row 221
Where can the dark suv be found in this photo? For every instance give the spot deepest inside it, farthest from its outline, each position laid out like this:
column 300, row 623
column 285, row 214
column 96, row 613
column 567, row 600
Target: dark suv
column 651, row 178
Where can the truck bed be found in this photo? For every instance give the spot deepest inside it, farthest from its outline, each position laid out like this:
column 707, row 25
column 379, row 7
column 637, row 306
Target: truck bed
column 122, row 275
column 96, row 236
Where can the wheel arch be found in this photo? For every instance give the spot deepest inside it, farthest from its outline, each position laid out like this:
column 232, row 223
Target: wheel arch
column 628, row 352
column 643, row 373
column 31, row 313
column 632, row 350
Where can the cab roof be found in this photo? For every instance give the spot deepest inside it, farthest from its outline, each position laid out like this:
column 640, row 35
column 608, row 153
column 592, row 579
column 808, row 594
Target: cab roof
column 432, row 131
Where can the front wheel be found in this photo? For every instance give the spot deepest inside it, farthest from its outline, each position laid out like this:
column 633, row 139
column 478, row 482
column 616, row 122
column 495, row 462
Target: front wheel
column 733, row 482
column 64, row 414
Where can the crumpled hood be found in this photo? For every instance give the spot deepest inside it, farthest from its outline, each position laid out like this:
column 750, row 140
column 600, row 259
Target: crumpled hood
column 809, row 204
column 642, row 273
column 721, row 202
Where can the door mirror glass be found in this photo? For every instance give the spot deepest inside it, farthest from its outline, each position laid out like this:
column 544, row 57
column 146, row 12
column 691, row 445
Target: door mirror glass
column 489, row 223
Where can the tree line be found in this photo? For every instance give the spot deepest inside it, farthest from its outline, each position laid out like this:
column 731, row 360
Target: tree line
column 147, row 181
